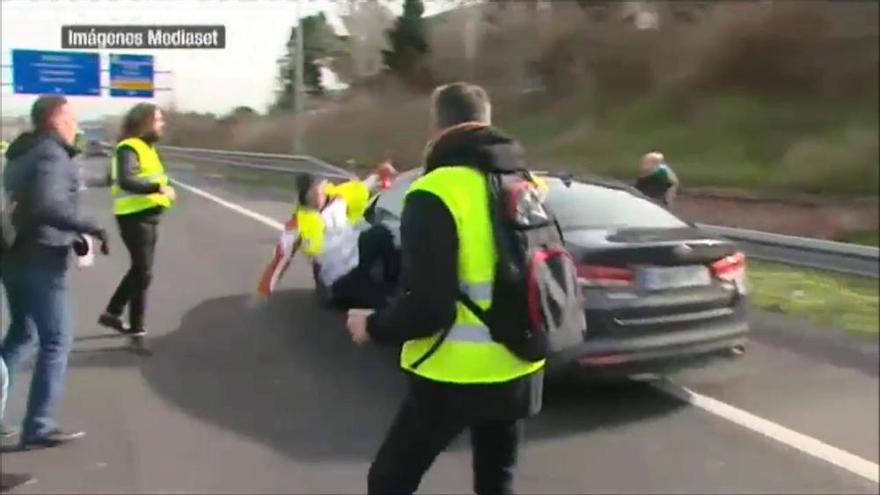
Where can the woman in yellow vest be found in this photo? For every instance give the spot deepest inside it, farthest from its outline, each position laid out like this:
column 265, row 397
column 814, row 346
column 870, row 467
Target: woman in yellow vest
column 327, row 225
column 141, row 194
column 468, row 381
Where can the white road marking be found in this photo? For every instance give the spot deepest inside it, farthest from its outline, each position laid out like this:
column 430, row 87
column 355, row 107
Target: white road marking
column 808, row 445
column 232, row 206
column 803, row 443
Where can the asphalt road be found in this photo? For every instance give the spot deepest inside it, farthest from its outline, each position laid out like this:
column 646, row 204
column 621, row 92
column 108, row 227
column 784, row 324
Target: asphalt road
column 275, row 399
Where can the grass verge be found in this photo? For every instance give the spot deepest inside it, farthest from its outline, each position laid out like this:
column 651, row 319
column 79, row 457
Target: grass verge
column 735, row 141
column 862, row 237
column 826, row 299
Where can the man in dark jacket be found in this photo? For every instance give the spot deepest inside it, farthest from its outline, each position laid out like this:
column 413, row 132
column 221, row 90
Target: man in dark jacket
column 656, row 179
column 434, row 411
column 41, row 180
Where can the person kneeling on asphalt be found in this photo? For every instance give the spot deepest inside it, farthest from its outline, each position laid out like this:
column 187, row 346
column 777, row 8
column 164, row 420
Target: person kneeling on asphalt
column 327, row 224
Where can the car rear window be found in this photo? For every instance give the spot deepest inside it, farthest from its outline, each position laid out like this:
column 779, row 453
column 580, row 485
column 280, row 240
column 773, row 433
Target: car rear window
column 583, row 205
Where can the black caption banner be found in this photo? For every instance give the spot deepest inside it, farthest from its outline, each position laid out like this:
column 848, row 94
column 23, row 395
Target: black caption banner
column 147, row 37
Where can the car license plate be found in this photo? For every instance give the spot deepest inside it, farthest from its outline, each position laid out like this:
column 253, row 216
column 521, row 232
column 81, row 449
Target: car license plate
column 659, row 278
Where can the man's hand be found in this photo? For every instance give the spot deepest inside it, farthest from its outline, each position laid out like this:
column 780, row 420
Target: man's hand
column 386, row 169
column 357, row 325
column 168, row 191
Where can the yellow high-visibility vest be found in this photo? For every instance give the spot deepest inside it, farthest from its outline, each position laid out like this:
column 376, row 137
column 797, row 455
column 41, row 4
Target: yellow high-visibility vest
column 151, row 169
column 468, row 355
column 356, row 195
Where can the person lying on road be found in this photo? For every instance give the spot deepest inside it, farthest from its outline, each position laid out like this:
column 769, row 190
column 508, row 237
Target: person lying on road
column 327, row 224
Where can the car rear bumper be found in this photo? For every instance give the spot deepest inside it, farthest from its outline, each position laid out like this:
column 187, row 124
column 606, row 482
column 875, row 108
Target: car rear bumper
column 653, row 353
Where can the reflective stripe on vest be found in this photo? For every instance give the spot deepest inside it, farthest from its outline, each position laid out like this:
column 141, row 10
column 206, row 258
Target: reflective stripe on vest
column 468, row 355
column 150, row 169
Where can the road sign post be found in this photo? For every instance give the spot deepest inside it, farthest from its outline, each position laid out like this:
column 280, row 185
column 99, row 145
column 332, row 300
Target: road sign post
column 298, row 92
column 131, row 76
column 52, row 72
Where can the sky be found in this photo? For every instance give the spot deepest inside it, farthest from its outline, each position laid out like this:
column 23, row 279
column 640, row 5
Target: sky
column 212, row 80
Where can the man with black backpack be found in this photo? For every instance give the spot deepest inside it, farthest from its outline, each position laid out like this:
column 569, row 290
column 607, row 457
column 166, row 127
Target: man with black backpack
column 486, row 289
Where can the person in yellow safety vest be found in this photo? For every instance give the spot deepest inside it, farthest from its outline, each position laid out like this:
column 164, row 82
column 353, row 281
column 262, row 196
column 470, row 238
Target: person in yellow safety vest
column 327, row 225
column 140, row 194
column 470, row 381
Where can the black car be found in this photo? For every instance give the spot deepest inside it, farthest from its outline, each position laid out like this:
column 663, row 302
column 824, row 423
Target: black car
column 660, row 293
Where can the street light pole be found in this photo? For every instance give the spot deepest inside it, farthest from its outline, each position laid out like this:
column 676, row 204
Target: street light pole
column 298, row 93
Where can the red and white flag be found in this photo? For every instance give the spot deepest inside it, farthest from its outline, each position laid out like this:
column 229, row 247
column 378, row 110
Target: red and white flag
column 285, row 249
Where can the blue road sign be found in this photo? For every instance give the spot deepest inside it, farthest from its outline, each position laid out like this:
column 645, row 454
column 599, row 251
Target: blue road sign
column 131, row 75
column 48, row 72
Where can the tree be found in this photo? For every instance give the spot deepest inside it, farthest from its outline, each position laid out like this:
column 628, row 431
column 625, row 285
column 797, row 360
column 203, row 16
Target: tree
column 408, row 40
column 320, row 43
column 243, row 111
column 239, row 114
column 367, row 22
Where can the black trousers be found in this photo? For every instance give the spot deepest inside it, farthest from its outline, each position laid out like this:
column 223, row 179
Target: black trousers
column 359, row 288
column 139, row 232
column 419, row 433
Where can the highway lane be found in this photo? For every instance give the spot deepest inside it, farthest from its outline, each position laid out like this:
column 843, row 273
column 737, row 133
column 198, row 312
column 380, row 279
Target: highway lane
column 276, row 399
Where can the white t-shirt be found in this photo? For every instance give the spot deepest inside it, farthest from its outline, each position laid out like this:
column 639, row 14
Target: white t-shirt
column 340, row 254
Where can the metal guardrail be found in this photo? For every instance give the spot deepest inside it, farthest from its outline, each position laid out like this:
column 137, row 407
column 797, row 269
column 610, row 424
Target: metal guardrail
column 801, row 243
column 270, row 162
column 840, row 257
column 322, row 167
column 798, row 251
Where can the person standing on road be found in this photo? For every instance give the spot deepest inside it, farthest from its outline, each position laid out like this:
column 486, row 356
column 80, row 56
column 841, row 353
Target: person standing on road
column 470, row 381
column 42, row 183
column 140, row 195
column 657, row 180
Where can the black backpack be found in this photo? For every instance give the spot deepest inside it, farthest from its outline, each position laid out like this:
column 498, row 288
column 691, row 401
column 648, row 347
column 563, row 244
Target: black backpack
column 537, row 304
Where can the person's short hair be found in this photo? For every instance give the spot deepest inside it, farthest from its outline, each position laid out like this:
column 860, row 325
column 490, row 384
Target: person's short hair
column 44, row 109
column 458, row 103
column 653, row 157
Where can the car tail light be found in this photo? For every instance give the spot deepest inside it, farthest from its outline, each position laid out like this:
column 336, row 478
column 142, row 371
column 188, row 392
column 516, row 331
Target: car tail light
column 731, row 268
column 605, row 276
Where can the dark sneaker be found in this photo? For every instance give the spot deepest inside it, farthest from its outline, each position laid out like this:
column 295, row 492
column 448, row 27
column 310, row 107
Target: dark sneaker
column 9, row 481
column 7, row 433
column 53, row 439
column 135, row 332
column 112, row 321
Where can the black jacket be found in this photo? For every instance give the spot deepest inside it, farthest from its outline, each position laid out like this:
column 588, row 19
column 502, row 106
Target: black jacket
column 657, row 185
column 41, row 177
column 429, row 283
